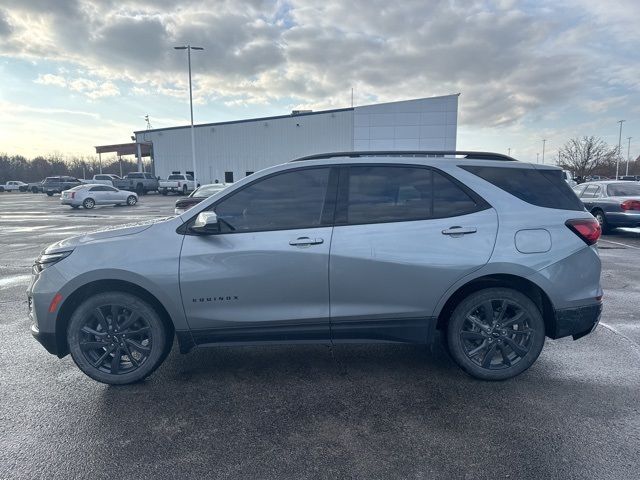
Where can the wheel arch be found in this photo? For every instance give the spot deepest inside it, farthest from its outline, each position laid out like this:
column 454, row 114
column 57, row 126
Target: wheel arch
column 99, row 286
column 515, row 282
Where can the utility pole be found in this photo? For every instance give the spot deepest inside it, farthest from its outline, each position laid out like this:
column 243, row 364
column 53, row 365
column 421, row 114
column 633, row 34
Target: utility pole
column 351, row 97
column 544, row 141
column 188, row 48
column 628, row 153
column 537, row 157
column 619, row 145
column 509, row 151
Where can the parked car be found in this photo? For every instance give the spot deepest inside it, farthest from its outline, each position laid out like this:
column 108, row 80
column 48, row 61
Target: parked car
column 632, row 178
column 568, row 177
column 337, row 248
column 103, row 179
column 613, row 203
column 14, row 186
column 35, row 187
column 199, row 194
column 88, row 196
column 139, row 182
column 177, row 183
column 53, row 185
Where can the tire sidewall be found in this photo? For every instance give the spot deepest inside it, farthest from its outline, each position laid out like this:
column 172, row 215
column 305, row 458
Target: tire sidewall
column 158, row 334
column 131, row 200
column 457, row 318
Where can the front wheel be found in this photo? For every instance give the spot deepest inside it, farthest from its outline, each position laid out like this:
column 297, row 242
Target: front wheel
column 131, row 200
column 495, row 334
column 117, row 338
column 34, row 189
column 89, row 203
column 50, row 194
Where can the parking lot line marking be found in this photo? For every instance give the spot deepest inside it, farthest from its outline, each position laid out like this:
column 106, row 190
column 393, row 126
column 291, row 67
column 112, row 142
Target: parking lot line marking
column 618, row 243
column 619, row 333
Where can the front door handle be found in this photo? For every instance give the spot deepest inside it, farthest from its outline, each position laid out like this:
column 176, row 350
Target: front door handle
column 459, row 231
column 305, row 241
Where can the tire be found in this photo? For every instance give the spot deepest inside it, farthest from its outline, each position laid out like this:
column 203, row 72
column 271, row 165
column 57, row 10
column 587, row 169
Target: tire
column 49, row 194
column 132, row 200
column 498, row 345
column 184, row 190
column 164, row 192
column 122, row 353
column 89, row 203
column 602, row 220
column 139, row 189
column 34, row 189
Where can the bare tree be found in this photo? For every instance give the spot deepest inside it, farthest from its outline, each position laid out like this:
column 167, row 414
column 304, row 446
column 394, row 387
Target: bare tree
column 583, row 156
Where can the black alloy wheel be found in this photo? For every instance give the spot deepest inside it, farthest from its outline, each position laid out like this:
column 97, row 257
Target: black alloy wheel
column 117, row 338
column 495, row 334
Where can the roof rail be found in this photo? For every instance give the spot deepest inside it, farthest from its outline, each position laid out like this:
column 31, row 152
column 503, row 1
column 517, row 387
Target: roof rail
column 411, row 153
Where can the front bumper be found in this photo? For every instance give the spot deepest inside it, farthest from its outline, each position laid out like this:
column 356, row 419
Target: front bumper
column 47, row 340
column 577, row 321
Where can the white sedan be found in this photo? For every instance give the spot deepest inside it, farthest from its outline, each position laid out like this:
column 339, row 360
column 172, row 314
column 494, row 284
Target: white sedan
column 88, row 196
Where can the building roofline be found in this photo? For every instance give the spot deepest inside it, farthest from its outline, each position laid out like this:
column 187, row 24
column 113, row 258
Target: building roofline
column 246, row 120
column 279, row 117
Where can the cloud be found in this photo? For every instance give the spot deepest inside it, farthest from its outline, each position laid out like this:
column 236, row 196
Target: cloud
column 5, row 26
column 508, row 59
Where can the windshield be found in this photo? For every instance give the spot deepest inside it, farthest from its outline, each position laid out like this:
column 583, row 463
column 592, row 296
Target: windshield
column 623, row 189
column 207, row 190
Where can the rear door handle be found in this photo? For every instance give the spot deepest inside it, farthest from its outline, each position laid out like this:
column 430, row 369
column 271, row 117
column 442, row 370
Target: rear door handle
column 305, row 241
column 458, row 231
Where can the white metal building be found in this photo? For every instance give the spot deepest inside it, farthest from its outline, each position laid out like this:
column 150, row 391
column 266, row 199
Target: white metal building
column 228, row 151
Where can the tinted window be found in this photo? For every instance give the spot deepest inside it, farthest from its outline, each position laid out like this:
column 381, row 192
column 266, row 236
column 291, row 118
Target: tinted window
column 103, row 177
column 136, row 175
column 228, row 177
column 175, row 177
column 392, row 194
column 623, row 189
column 540, row 187
column 284, row 201
column 190, row 178
column 148, row 176
column 579, row 189
column 207, row 190
column 110, row 189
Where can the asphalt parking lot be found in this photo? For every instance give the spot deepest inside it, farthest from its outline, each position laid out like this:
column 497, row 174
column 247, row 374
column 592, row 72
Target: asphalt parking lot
column 308, row 411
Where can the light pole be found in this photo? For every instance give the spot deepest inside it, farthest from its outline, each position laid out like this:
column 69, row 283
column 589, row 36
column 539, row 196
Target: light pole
column 628, row 153
column 544, row 141
column 619, row 144
column 509, row 150
column 188, row 48
column 537, row 157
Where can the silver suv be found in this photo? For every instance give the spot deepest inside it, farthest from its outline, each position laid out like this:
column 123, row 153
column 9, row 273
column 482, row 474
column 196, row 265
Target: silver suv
column 488, row 253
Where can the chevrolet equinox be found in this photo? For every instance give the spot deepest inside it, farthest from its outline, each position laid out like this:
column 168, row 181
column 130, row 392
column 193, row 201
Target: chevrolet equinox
column 490, row 254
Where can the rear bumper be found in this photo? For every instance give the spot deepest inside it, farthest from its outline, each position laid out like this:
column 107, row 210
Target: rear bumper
column 623, row 219
column 577, row 321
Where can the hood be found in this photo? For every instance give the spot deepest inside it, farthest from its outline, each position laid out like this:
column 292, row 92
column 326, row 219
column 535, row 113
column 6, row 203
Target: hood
column 111, row 232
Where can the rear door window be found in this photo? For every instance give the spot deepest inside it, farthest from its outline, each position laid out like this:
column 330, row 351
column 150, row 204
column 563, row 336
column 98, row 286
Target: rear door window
column 378, row 194
column 540, row 187
column 590, row 191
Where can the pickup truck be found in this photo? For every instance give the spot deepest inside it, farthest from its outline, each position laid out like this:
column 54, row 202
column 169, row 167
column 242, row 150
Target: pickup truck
column 177, row 183
column 53, row 185
column 138, row 182
column 14, row 185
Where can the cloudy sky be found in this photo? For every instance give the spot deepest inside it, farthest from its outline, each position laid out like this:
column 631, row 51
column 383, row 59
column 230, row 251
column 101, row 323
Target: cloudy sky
column 78, row 73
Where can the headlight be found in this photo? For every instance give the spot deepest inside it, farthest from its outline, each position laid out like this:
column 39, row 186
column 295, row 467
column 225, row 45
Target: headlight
column 47, row 259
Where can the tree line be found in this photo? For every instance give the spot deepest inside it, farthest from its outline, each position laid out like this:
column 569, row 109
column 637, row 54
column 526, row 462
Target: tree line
column 17, row 167
column 583, row 156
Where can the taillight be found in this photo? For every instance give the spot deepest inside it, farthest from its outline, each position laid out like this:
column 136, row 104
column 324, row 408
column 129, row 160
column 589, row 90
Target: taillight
column 588, row 229
column 630, row 205
column 73, row 194
column 178, row 184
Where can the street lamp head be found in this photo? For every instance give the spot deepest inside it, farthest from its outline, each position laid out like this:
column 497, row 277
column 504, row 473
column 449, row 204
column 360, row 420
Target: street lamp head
column 197, row 48
column 180, row 48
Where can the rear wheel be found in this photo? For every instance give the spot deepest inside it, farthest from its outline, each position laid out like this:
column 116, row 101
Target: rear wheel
column 117, row 338
column 602, row 220
column 163, row 191
column 50, row 194
column 89, row 203
column 495, row 334
column 131, row 200
column 184, row 190
column 34, row 189
column 139, row 189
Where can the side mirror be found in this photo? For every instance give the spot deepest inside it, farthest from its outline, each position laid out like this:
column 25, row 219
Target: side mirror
column 206, row 224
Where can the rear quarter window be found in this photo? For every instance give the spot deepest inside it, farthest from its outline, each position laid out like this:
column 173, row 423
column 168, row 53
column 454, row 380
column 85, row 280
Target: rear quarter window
column 540, row 187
